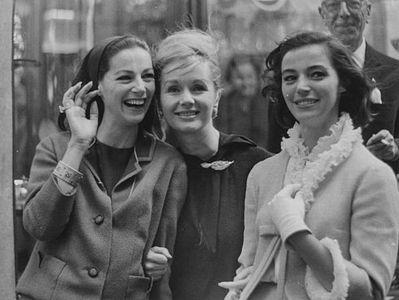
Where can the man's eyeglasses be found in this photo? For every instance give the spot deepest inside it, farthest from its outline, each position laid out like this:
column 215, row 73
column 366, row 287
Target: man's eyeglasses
column 335, row 5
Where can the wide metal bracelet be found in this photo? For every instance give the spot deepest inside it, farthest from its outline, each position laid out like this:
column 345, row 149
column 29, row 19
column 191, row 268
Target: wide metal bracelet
column 68, row 174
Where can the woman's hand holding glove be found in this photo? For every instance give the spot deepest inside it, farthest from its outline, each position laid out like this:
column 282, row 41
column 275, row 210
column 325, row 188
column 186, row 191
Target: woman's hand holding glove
column 287, row 210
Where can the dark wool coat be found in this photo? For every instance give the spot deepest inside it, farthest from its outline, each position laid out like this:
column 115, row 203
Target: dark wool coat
column 210, row 230
column 385, row 71
column 88, row 250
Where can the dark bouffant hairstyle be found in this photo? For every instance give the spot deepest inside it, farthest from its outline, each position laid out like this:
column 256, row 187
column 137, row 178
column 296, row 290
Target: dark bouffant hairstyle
column 93, row 68
column 355, row 100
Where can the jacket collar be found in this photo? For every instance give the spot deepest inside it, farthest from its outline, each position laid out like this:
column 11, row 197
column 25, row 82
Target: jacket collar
column 143, row 152
column 226, row 143
column 226, row 139
column 145, row 146
column 371, row 60
column 229, row 141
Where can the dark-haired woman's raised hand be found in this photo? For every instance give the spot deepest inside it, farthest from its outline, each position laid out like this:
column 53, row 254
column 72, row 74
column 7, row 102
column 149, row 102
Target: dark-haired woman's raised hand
column 75, row 101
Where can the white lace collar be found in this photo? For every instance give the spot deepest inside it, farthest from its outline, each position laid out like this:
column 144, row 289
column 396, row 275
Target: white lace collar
column 310, row 169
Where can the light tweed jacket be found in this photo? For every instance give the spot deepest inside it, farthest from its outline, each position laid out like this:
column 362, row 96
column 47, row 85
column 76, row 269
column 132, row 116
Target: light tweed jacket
column 357, row 205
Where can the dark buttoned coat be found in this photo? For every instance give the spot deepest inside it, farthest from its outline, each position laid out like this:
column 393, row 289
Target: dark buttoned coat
column 384, row 70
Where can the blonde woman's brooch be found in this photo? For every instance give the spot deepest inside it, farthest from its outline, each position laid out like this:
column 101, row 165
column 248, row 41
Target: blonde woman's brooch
column 217, row 165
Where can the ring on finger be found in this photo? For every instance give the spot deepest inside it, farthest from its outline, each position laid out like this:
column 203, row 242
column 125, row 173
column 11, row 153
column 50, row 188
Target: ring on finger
column 64, row 108
column 387, row 141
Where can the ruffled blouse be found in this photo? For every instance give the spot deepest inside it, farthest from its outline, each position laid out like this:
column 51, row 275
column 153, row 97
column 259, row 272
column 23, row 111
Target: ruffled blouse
column 310, row 168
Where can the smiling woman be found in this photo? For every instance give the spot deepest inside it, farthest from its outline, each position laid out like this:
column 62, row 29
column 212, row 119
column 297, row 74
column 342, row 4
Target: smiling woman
column 307, row 234
column 106, row 189
column 211, row 223
column 131, row 83
column 310, row 87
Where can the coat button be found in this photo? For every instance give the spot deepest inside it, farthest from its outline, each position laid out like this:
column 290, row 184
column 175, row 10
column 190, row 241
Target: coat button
column 93, row 272
column 99, row 219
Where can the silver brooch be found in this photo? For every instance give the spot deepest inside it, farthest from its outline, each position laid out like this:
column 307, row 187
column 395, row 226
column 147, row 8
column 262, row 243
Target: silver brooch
column 217, row 165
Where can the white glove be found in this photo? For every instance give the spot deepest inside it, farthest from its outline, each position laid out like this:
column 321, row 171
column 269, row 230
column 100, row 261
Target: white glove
column 287, row 210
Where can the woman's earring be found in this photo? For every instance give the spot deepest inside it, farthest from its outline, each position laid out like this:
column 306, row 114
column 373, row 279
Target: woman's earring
column 99, row 88
column 214, row 112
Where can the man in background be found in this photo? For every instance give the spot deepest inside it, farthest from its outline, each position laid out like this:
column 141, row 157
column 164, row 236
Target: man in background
column 347, row 20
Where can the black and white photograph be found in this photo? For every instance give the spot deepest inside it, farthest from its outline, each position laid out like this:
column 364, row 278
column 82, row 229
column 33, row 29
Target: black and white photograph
column 199, row 150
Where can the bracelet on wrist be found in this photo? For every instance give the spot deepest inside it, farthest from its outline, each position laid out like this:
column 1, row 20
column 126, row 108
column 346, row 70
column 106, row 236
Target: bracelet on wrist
column 67, row 174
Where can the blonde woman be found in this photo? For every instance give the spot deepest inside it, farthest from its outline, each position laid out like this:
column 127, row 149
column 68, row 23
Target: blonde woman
column 211, row 225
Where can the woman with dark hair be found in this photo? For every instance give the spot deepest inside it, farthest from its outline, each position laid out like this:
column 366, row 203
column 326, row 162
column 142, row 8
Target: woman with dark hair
column 104, row 190
column 352, row 100
column 320, row 216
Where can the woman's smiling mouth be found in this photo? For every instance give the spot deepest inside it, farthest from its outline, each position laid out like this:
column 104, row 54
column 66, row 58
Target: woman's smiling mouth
column 305, row 102
column 135, row 103
column 187, row 113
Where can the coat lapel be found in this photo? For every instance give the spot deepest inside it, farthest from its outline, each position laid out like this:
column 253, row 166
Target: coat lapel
column 373, row 66
column 143, row 152
column 371, row 60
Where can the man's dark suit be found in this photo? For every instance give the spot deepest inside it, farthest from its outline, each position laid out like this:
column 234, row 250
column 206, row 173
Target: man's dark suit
column 385, row 71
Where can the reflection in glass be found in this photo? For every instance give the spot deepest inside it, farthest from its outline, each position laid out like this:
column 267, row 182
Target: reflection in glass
column 23, row 138
column 49, row 38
